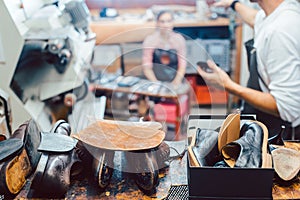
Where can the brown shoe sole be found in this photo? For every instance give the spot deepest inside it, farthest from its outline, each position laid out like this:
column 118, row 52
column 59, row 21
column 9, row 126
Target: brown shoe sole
column 266, row 156
column 230, row 130
column 17, row 170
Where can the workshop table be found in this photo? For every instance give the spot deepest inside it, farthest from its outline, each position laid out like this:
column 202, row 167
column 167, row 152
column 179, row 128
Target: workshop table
column 122, row 186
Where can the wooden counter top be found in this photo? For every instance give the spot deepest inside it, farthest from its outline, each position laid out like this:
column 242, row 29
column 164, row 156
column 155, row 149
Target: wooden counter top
column 113, row 31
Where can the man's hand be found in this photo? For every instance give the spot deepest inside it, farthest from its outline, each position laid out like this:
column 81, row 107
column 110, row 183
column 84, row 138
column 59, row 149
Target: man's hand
column 223, row 3
column 216, row 77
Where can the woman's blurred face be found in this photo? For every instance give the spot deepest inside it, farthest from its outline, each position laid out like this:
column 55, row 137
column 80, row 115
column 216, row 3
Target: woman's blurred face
column 165, row 22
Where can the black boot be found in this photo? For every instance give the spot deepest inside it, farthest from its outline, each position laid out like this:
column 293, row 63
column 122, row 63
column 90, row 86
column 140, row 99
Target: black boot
column 206, row 147
column 143, row 166
column 251, row 149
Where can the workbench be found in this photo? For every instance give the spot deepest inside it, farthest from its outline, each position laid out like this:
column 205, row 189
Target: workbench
column 122, row 186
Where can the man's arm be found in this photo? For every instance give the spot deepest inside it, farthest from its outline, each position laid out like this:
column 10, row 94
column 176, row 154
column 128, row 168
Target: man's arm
column 260, row 100
column 247, row 13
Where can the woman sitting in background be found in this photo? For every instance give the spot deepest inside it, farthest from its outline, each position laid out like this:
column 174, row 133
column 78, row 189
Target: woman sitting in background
column 164, row 52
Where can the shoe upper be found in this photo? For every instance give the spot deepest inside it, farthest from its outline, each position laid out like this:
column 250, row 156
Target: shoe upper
column 247, row 150
column 206, row 147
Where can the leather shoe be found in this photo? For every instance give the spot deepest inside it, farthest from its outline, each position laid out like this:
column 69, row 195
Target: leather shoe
column 207, row 144
column 19, row 157
column 57, row 163
column 251, row 149
column 205, row 149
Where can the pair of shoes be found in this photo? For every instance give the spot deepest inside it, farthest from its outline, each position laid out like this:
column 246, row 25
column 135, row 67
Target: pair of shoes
column 251, row 150
column 19, row 157
column 206, row 144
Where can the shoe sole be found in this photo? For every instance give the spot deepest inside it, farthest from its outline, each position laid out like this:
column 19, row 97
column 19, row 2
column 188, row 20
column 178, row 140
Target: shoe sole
column 192, row 158
column 286, row 162
column 21, row 166
column 17, row 170
column 266, row 156
column 230, row 130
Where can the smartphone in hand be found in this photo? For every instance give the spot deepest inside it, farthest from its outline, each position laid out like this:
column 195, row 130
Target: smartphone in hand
column 204, row 67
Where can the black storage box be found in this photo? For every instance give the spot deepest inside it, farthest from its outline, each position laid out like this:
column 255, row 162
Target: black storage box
column 226, row 183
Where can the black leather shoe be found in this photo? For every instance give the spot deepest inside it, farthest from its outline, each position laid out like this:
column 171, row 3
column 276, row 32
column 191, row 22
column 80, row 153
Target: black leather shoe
column 162, row 155
column 19, row 157
column 142, row 165
column 221, row 164
column 58, row 160
column 205, row 148
column 251, row 149
column 208, row 143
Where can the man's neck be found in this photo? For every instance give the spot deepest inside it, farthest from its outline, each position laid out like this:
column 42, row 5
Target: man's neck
column 269, row 5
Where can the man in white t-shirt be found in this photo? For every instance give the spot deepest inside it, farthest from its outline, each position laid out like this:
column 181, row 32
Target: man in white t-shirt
column 273, row 88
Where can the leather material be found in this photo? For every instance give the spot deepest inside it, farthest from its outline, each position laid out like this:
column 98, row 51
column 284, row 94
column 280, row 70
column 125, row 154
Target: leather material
column 10, row 148
column 20, row 158
column 230, row 130
column 143, row 166
column 277, row 139
column 56, row 175
column 56, row 143
column 61, row 127
column 162, row 155
column 55, row 168
column 221, row 164
column 111, row 134
column 102, row 166
column 206, row 147
column 286, row 163
column 247, row 150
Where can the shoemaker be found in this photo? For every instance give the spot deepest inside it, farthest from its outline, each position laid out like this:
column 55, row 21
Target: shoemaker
column 164, row 52
column 273, row 88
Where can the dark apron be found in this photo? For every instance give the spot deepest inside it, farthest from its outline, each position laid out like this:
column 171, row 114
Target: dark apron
column 273, row 123
column 165, row 64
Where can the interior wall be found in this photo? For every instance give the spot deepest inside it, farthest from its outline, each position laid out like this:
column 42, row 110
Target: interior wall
column 98, row 4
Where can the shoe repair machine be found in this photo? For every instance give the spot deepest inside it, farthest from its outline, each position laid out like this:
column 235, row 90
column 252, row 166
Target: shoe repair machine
column 45, row 49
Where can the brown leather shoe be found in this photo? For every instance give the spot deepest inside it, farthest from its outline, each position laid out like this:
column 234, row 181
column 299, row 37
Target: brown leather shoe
column 19, row 157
